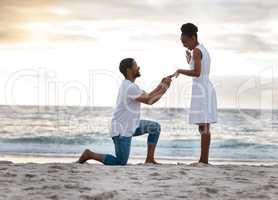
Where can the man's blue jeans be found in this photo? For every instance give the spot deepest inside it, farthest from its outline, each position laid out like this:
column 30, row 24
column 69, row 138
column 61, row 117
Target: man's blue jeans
column 122, row 144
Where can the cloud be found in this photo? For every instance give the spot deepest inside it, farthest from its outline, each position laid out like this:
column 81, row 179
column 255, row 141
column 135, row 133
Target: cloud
column 58, row 38
column 156, row 37
column 237, row 11
column 20, row 34
column 14, row 14
column 248, row 18
column 244, row 43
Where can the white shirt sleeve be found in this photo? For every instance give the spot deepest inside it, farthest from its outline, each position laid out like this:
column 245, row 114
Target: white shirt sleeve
column 134, row 91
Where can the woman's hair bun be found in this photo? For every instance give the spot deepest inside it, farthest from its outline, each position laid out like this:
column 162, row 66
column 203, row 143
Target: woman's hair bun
column 189, row 29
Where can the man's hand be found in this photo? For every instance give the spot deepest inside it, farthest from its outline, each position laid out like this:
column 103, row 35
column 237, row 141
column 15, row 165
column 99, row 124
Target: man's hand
column 157, row 93
column 166, row 80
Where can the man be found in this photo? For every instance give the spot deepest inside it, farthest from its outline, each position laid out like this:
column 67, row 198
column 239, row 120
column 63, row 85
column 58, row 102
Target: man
column 126, row 121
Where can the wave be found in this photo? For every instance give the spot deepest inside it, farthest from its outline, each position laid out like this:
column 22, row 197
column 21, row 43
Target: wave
column 235, row 144
column 70, row 140
column 220, row 149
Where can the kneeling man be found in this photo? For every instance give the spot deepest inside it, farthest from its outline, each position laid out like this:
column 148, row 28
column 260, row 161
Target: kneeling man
column 126, row 121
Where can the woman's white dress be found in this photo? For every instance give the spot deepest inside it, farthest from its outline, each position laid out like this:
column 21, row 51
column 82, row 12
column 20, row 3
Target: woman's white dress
column 203, row 108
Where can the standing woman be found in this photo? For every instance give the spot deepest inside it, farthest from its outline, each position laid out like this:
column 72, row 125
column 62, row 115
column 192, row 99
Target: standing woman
column 203, row 108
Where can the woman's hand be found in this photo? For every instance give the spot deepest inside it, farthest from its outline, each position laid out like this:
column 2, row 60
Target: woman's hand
column 176, row 74
column 188, row 56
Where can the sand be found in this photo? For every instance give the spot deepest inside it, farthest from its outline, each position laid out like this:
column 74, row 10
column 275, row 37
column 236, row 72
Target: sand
column 168, row 181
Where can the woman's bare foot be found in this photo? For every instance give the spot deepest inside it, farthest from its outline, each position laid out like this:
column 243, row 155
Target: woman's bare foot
column 152, row 161
column 200, row 164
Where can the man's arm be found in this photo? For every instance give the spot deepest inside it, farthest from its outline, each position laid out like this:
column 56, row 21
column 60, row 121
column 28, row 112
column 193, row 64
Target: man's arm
column 159, row 87
column 156, row 94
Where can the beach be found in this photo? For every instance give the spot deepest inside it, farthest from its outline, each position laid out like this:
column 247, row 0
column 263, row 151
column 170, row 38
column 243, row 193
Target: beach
column 159, row 100
column 136, row 181
column 38, row 148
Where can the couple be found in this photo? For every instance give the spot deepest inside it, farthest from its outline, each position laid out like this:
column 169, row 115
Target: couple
column 126, row 121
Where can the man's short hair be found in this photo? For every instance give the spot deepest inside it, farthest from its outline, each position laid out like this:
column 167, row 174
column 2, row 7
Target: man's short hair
column 125, row 64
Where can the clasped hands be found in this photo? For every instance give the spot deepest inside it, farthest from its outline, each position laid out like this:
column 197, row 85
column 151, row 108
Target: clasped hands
column 168, row 79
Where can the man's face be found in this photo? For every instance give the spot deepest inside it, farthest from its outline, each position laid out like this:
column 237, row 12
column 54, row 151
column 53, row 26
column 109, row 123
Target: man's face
column 135, row 70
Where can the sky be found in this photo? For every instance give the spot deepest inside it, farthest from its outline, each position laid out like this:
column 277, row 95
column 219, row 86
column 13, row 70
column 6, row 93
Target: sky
column 67, row 52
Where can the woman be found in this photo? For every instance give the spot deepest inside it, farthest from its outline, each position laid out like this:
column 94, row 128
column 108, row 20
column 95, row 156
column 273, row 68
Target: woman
column 203, row 109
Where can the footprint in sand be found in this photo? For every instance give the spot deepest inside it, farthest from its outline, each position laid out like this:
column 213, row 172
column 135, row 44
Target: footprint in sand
column 270, row 186
column 101, row 196
column 52, row 187
column 30, row 175
column 155, row 174
column 137, row 183
column 164, row 186
column 242, row 180
column 5, row 162
column 71, row 186
column 54, row 197
column 183, row 172
column 82, row 189
column 134, row 178
column 164, row 178
column 76, row 186
column 153, row 169
column 29, row 188
column 181, row 197
column 52, row 171
column 212, row 190
column 197, row 164
column 8, row 174
column 57, row 167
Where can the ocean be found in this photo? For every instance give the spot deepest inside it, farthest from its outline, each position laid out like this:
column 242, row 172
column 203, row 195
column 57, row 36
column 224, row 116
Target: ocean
column 240, row 134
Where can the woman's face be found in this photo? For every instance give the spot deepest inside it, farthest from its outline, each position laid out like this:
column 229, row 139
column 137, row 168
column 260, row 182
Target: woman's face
column 188, row 42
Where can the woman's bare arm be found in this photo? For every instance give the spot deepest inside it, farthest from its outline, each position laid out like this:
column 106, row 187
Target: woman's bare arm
column 197, row 57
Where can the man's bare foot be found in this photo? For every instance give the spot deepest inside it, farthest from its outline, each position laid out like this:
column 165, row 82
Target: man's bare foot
column 152, row 161
column 86, row 155
column 78, row 162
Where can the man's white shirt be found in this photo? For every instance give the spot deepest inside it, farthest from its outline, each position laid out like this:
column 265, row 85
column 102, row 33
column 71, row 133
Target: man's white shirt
column 126, row 116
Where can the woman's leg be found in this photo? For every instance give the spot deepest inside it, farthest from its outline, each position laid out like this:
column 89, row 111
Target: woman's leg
column 204, row 130
column 153, row 129
column 122, row 150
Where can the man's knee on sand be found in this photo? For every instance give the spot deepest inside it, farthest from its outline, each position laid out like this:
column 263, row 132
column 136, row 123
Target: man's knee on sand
column 122, row 162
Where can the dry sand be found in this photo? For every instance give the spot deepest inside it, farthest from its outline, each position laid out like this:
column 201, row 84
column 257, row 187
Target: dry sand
column 95, row 181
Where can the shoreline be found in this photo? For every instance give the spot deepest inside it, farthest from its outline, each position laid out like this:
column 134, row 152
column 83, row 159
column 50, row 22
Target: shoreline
column 45, row 158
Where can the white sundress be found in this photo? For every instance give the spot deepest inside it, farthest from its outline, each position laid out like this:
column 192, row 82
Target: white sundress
column 203, row 108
